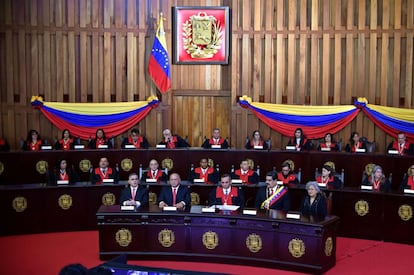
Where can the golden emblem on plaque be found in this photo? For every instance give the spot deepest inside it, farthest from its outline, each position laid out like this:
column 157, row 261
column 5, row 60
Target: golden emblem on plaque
column 1, row 167
column 108, row 199
column 210, row 239
column 251, row 163
column 166, row 237
column 254, row 243
column 195, row 198
column 361, row 207
column 167, row 163
column 291, row 164
column 330, row 164
column 41, row 166
column 85, row 165
column 123, row 237
column 405, row 212
column 126, row 164
column 202, row 35
column 210, row 162
column 152, row 198
column 19, row 204
column 297, row 248
column 368, row 169
column 65, row 201
column 328, row 246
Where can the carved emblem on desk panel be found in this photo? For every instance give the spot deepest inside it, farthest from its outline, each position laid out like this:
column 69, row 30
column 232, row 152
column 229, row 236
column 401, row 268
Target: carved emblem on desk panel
column 405, row 212
column 41, row 167
column 167, row 163
column 251, row 163
column 65, row 201
column 297, row 248
column 108, row 199
column 123, row 237
column 291, row 164
column 126, row 164
column 328, row 246
column 85, row 165
column 210, row 240
column 361, row 207
column 166, row 237
column 1, row 167
column 254, row 243
column 195, row 198
column 152, row 198
column 19, row 204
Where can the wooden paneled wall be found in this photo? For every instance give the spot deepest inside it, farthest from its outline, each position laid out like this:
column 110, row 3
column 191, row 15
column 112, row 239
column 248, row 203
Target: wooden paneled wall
column 317, row 52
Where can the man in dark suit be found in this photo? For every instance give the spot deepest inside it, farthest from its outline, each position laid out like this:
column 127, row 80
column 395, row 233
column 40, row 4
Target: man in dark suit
column 175, row 194
column 134, row 194
column 226, row 194
column 273, row 195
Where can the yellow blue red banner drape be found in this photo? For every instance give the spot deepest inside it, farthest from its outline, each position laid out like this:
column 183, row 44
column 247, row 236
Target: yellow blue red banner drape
column 316, row 121
column 83, row 119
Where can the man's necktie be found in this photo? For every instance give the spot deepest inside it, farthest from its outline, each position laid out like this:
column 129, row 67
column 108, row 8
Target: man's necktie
column 174, row 195
column 154, row 174
column 134, row 190
column 270, row 192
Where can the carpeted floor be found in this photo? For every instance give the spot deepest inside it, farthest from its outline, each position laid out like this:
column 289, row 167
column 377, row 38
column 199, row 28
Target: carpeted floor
column 46, row 254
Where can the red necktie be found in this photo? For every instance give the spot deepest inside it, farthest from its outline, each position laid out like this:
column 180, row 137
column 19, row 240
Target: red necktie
column 133, row 193
column 174, row 195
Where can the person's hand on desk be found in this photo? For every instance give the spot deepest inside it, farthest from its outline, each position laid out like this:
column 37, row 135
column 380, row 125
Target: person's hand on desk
column 162, row 204
column 180, row 205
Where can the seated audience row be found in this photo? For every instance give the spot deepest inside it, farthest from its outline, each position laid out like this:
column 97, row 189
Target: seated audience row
column 298, row 142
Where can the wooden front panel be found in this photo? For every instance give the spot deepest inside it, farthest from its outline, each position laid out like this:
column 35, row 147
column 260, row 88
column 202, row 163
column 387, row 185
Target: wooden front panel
column 290, row 52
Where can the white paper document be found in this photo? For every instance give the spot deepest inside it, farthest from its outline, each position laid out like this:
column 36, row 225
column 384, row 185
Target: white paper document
column 226, row 207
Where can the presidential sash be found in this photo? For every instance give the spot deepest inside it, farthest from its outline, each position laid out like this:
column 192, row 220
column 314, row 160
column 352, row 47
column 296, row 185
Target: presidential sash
column 275, row 197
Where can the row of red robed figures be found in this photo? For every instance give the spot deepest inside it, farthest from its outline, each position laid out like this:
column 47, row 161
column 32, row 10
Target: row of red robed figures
column 374, row 176
column 135, row 140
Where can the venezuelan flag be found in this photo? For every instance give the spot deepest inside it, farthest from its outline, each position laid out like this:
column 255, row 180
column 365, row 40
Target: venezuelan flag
column 159, row 64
